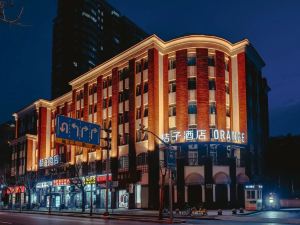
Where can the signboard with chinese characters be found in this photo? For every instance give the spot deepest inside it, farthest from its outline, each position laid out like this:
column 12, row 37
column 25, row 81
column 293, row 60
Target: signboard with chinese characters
column 202, row 135
column 15, row 189
column 76, row 132
column 45, row 184
column 170, row 158
column 61, row 182
column 102, row 178
column 89, row 180
column 51, row 161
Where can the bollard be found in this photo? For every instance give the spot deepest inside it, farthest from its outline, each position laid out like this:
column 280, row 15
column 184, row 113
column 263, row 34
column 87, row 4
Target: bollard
column 220, row 212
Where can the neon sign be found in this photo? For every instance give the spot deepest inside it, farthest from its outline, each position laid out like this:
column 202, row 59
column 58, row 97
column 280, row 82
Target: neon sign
column 51, row 161
column 201, row 135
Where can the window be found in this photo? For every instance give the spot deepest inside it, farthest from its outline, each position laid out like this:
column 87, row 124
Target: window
column 123, row 74
column 138, row 67
column 105, row 83
column 138, row 90
column 145, row 87
column 120, row 118
column 212, row 108
column 172, row 86
column 145, row 65
column 172, row 110
column 227, row 88
column 227, row 111
column 146, row 111
column 191, row 61
column 172, row 64
column 123, row 162
column 126, row 116
column 192, row 83
column 104, row 103
column 142, row 159
column 109, row 102
column 138, row 113
column 109, row 81
column 227, row 66
column 91, row 109
column 125, row 94
column 211, row 61
column 120, row 96
column 212, row 84
column 141, row 136
column 192, row 109
column 193, row 158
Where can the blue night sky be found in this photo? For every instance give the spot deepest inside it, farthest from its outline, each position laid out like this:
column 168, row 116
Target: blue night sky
column 272, row 26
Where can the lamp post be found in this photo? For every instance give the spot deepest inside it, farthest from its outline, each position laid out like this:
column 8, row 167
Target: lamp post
column 107, row 147
column 169, row 146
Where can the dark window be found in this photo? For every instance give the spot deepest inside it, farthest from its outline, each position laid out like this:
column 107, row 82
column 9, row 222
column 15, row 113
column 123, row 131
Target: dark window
column 126, row 117
column 172, row 110
column 211, row 61
column 125, row 94
column 192, row 109
column 228, row 112
column 104, row 103
column 138, row 90
column 146, row 111
column 212, row 84
column 138, row 113
column 109, row 102
column 192, row 83
column 120, row 96
column 138, row 67
column 145, row 87
column 227, row 88
column 191, row 61
column 212, row 108
column 172, row 64
column 145, row 66
column 109, row 81
column 120, row 118
column 172, row 86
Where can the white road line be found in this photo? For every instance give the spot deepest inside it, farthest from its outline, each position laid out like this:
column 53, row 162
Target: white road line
column 4, row 222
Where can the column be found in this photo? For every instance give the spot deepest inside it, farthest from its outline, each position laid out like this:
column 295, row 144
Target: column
column 228, row 192
column 185, row 194
column 181, row 92
column 214, row 193
column 203, row 192
column 202, row 90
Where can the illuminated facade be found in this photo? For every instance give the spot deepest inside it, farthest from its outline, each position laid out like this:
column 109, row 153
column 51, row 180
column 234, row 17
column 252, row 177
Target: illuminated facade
column 203, row 94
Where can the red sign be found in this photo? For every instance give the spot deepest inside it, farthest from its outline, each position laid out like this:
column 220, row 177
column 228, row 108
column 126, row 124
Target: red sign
column 102, row 178
column 61, row 182
column 15, row 190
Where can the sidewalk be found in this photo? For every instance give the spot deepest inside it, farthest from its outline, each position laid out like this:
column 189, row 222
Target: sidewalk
column 136, row 214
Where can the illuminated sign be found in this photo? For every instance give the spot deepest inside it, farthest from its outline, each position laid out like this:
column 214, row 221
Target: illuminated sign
column 89, row 180
column 51, row 161
column 201, row 135
column 43, row 184
column 61, row 182
column 76, row 132
column 102, row 178
column 15, row 189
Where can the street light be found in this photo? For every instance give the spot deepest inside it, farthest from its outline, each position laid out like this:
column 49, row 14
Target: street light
column 169, row 146
column 107, row 147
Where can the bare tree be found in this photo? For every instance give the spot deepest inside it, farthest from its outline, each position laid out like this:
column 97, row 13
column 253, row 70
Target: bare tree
column 4, row 5
column 30, row 181
column 79, row 183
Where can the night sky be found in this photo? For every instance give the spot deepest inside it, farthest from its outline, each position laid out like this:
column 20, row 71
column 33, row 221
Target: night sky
column 271, row 26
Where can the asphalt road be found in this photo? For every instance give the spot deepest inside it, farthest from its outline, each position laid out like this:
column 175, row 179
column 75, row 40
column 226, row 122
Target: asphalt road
column 265, row 218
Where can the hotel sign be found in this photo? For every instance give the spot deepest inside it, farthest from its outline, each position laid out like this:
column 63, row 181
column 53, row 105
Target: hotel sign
column 202, row 135
column 76, row 132
column 50, row 161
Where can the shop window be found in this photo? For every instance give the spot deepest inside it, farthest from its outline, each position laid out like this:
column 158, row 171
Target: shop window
column 192, row 83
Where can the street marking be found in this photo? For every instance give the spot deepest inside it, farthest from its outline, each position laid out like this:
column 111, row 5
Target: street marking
column 4, row 222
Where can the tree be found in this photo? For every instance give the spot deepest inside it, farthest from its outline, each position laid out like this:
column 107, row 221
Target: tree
column 30, row 181
column 12, row 21
column 79, row 183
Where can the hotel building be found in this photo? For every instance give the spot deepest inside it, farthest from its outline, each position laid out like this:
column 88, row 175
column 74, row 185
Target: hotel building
column 202, row 94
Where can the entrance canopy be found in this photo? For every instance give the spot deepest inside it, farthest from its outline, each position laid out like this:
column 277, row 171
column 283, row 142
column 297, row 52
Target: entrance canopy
column 222, row 178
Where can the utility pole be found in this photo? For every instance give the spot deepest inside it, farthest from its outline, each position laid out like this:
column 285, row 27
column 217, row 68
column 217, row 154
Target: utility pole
column 107, row 147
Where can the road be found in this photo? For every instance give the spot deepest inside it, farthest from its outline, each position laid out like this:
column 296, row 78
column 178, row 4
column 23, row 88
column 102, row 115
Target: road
column 265, row 218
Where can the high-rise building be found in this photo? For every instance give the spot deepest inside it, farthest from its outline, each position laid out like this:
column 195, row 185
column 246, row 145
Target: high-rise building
column 85, row 34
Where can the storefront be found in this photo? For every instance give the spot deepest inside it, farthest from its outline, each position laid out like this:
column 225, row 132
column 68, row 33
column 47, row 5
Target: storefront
column 16, row 196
